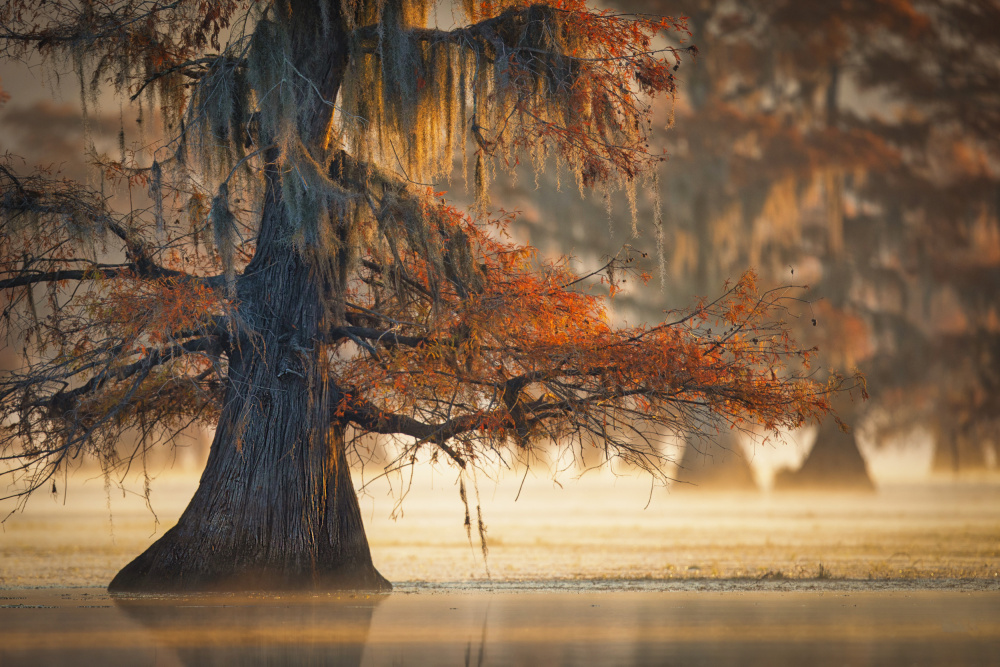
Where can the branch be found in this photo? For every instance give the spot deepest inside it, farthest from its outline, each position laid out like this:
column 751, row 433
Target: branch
column 369, row 417
column 63, row 400
column 387, row 338
column 115, row 27
column 92, row 273
column 42, row 196
column 180, row 67
column 493, row 30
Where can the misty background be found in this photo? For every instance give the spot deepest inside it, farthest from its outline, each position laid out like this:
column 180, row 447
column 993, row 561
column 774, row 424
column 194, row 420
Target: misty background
column 850, row 148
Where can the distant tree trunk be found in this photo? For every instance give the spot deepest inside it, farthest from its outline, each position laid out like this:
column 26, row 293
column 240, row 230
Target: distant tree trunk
column 958, row 449
column 834, row 184
column 715, row 465
column 703, row 274
column 834, row 464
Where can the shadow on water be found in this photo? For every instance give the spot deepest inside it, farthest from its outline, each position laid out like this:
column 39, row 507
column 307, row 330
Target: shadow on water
column 292, row 629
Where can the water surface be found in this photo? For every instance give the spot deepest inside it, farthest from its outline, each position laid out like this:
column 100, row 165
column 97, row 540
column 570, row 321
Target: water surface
column 456, row 627
column 597, row 573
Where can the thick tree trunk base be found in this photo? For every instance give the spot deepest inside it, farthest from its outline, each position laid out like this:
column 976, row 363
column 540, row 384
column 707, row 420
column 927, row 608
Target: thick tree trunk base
column 715, row 466
column 278, row 513
column 207, row 553
column 166, row 567
column 834, row 464
column 275, row 508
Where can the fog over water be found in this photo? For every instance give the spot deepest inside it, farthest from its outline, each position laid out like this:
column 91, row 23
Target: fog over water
column 595, row 571
column 597, row 528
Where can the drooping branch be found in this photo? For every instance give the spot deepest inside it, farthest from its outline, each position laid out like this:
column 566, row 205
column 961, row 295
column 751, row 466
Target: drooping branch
column 79, row 214
column 557, row 371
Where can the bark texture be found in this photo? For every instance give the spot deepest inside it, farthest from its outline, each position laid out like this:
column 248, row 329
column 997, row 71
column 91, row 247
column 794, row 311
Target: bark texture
column 275, row 508
column 278, row 512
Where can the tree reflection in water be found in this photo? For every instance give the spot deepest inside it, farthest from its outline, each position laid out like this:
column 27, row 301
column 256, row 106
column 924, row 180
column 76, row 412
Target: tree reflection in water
column 752, row 622
column 232, row 629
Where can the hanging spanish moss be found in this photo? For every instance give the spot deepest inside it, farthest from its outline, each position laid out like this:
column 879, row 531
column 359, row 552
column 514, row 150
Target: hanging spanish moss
column 156, row 194
column 224, row 230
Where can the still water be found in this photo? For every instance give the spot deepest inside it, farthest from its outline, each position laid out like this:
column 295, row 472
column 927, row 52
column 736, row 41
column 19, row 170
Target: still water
column 476, row 627
column 601, row 572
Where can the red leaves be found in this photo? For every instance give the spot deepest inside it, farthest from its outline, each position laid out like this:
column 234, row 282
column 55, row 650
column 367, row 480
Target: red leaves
column 157, row 309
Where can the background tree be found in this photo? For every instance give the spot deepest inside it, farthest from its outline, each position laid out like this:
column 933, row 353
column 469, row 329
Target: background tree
column 294, row 282
column 715, row 462
column 850, row 146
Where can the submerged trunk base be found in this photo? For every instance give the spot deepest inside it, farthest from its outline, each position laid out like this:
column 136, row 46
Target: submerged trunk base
column 277, row 512
column 170, row 566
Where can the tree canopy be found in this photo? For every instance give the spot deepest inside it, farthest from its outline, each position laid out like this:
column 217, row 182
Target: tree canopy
column 295, row 270
column 851, row 146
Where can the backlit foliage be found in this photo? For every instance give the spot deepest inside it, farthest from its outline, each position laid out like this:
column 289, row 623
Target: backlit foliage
column 863, row 159
column 531, row 356
column 304, row 134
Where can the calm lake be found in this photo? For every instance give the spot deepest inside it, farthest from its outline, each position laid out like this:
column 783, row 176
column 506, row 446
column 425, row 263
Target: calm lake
column 666, row 627
column 601, row 572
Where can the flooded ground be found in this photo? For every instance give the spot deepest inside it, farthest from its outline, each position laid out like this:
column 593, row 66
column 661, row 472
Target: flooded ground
column 598, row 572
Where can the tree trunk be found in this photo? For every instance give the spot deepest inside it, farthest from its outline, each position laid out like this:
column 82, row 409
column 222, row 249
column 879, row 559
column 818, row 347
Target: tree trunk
column 275, row 508
column 716, row 465
column 277, row 512
column 834, row 464
column 957, row 449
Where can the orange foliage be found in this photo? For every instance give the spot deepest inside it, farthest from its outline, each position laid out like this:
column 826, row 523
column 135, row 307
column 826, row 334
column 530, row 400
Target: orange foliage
column 534, row 354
